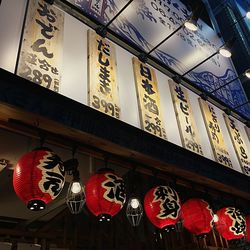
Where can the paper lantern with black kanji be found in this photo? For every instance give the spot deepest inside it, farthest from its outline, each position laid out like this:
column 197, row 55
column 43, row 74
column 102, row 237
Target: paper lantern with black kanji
column 38, row 178
column 162, row 206
column 105, row 194
column 248, row 228
column 197, row 216
column 231, row 223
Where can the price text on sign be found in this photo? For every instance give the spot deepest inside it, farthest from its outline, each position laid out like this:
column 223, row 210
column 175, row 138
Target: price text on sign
column 148, row 99
column 239, row 144
column 185, row 118
column 102, row 78
column 248, row 132
column 41, row 50
column 215, row 134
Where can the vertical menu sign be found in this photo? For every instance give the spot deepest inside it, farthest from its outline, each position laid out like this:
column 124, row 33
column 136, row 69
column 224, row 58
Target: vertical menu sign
column 148, row 99
column 248, row 132
column 102, row 78
column 41, row 50
column 215, row 134
column 239, row 144
column 185, row 118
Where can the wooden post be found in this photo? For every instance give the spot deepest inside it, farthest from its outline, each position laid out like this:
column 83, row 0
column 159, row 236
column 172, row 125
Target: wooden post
column 44, row 244
column 214, row 238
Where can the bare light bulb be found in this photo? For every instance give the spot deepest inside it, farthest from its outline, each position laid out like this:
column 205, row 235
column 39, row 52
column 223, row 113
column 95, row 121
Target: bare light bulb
column 215, row 218
column 134, row 211
column 76, row 187
column 248, row 15
column 191, row 25
column 225, row 52
column 134, row 203
column 247, row 73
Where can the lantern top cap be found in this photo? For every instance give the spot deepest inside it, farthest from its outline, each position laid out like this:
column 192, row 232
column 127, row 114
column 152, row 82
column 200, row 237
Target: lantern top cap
column 106, row 169
column 43, row 148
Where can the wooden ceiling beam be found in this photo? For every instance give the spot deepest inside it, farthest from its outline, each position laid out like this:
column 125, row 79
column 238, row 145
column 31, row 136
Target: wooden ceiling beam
column 25, row 106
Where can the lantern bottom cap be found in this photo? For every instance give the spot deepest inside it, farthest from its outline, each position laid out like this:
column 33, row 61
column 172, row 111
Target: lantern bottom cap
column 235, row 241
column 36, row 205
column 104, row 217
column 169, row 228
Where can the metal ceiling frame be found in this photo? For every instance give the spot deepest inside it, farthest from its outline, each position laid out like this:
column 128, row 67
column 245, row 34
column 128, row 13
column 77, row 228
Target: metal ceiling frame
column 154, row 62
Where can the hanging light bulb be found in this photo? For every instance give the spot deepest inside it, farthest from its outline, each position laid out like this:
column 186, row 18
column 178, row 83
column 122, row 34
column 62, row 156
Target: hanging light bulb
column 75, row 198
column 191, row 24
column 134, row 203
column 225, row 52
column 36, row 244
column 248, row 13
column 247, row 73
column 134, row 211
column 226, row 49
column 215, row 218
column 76, row 187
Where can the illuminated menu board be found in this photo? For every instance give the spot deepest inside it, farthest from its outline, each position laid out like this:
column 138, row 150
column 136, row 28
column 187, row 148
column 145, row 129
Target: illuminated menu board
column 148, row 99
column 102, row 77
column 41, row 49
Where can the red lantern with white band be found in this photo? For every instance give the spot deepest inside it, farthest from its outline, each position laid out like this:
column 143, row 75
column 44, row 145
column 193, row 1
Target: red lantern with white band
column 197, row 217
column 162, row 206
column 38, row 178
column 248, row 228
column 231, row 223
column 105, row 194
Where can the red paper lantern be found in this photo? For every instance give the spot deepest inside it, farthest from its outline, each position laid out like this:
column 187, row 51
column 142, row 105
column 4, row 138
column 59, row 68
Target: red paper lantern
column 105, row 194
column 197, row 216
column 162, row 207
column 231, row 223
column 248, row 228
column 38, row 178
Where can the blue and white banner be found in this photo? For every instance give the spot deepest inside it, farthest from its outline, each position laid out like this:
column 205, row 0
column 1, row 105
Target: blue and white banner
column 146, row 23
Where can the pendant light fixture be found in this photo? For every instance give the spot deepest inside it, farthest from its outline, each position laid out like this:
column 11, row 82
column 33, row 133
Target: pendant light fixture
column 191, row 23
column 134, row 210
column 75, row 198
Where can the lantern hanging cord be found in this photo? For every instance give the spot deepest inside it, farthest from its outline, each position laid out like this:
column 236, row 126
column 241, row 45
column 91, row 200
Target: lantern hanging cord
column 74, row 149
column 76, row 174
column 174, row 182
column 42, row 138
column 71, row 166
column 155, row 172
column 133, row 179
column 106, row 158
